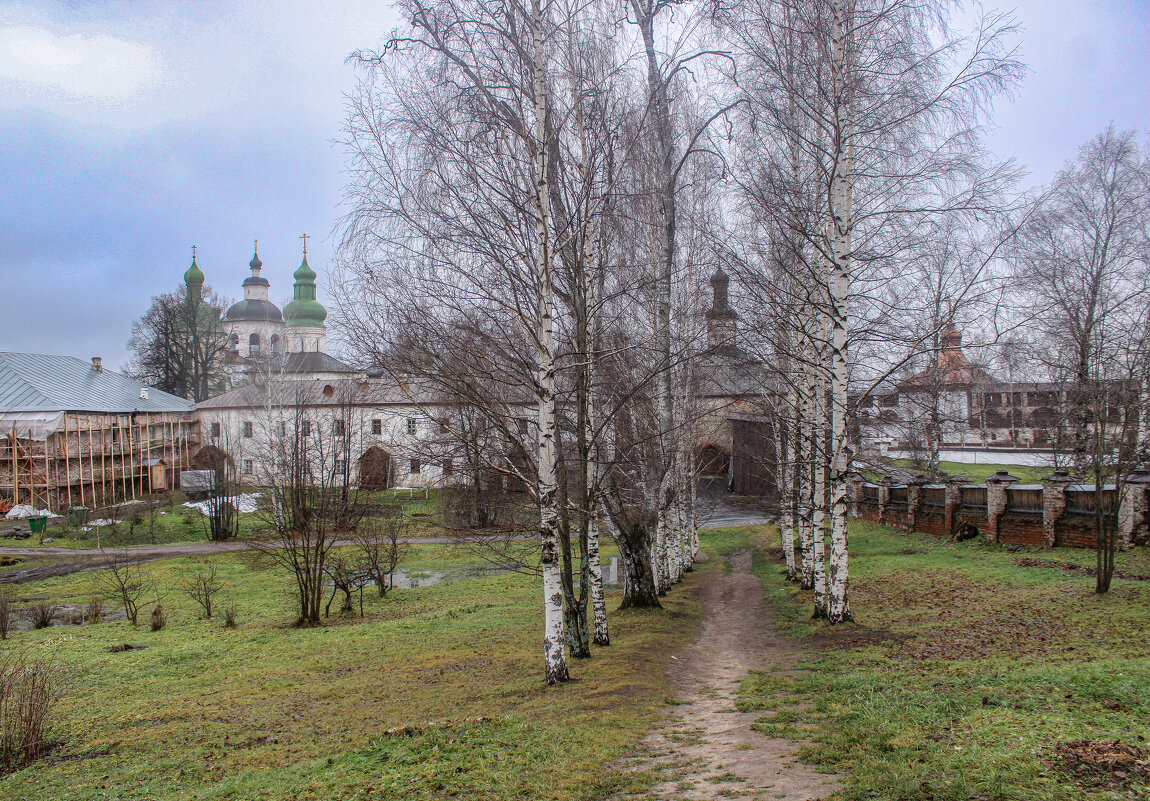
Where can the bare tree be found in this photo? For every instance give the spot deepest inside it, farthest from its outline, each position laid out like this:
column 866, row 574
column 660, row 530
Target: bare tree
column 202, row 585
column 309, row 500
column 1083, row 257
column 123, row 581
column 880, row 106
column 381, row 544
column 178, row 345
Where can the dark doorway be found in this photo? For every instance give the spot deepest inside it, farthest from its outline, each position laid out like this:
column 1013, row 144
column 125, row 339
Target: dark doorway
column 375, row 469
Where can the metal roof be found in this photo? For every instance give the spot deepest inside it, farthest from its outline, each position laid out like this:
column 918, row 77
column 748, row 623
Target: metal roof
column 36, row 382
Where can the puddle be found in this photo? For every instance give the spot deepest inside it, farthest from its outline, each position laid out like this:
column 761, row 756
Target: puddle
column 411, row 579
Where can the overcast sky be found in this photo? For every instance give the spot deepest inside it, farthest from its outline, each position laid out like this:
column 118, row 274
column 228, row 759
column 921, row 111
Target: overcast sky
column 132, row 131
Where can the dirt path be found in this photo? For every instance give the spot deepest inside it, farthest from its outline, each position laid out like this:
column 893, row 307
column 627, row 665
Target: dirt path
column 706, row 747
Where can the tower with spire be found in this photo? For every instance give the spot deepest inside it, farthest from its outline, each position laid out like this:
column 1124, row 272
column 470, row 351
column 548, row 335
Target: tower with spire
column 254, row 325
column 194, row 280
column 305, row 316
column 722, row 321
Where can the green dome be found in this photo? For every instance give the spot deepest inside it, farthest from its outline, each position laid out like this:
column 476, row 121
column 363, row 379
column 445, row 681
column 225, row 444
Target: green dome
column 194, row 275
column 304, row 310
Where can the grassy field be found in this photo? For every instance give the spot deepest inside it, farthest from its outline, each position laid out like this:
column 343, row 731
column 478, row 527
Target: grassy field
column 978, row 473
column 171, row 522
column 964, row 672
column 435, row 693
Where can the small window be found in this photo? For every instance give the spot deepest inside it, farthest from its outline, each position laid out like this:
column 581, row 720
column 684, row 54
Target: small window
column 377, row 426
column 415, row 467
column 275, row 344
column 443, row 426
column 340, row 464
column 283, row 428
column 254, row 345
column 448, row 467
column 248, row 429
column 411, row 427
column 305, row 428
column 522, row 426
column 249, row 468
column 339, row 428
column 215, row 430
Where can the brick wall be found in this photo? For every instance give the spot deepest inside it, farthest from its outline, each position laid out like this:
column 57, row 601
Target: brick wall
column 932, row 520
column 997, row 522
column 1018, row 528
column 1075, row 531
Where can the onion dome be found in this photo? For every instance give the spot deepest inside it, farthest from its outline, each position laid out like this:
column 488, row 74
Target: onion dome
column 304, row 310
column 194, row 276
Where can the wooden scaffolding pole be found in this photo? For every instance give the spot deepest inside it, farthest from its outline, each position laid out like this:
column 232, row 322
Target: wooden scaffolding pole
column 47, row 476
column 104, row 468
column 67, row 463
column 132, row 455
column 123, row 471
column 80, row 461
column 15, row 467
column 91, row 460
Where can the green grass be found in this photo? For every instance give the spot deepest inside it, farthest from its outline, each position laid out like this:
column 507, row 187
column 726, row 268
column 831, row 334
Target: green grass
column 977, row 473
column 175, row 523
column 961, row 671
column 270, row 711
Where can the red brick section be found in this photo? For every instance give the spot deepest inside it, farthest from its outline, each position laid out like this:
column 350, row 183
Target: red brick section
column 1075, row 531
column 996, row 503
column 1015, row 528
column 1054, row 503
column 1052, row 527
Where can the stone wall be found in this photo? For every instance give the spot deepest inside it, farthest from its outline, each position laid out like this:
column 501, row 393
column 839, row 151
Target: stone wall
column 1055, row 512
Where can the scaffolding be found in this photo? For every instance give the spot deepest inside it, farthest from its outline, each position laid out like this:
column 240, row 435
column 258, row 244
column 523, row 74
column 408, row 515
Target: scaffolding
column 94, row 459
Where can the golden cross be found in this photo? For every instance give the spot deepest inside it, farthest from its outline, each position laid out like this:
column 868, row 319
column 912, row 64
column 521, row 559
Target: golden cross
column 193, row 252
column 305, row 238
column 257, row 247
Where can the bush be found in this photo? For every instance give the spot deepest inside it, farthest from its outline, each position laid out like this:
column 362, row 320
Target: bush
column 29, row 691
column 159, row 618
column 230, row 616
column 42, row 614
column 5, row 613
column 95, row 611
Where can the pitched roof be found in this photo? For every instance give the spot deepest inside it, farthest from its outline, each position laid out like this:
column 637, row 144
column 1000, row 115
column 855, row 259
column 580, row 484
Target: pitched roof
column 36, row 382
column 286, row 392
column 953, row 368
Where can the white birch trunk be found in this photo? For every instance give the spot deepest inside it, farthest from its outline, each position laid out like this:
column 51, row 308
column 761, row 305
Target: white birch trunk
column 819, row 487
column 786, row 474
column 842, row 223
column 555, row 659
column 804, row 460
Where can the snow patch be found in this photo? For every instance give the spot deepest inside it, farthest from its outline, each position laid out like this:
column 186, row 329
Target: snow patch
column 23, row 510
column 245, row 504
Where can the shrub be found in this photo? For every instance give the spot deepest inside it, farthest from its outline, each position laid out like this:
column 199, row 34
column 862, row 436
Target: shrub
column 5, row 613
column 230, row 616
column 159, row 617
column 202, row 586
column 95, row 611
column 42, row 614
column 29, row 691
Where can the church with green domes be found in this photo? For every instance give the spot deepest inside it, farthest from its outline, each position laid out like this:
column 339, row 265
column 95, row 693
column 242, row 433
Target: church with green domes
column 261, row 338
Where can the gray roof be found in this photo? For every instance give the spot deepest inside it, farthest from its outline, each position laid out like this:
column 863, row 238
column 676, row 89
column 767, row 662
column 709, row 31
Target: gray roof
column 36, row 382
column 259, row 311
column 384, row 391
column 310, row 362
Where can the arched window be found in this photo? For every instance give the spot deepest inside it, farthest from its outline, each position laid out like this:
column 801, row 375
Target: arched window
column 254, row 345
column 275, row 344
